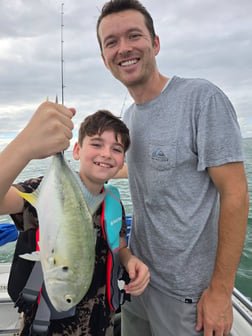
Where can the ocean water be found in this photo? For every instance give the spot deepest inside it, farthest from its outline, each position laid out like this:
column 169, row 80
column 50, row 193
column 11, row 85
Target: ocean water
column 244, row 273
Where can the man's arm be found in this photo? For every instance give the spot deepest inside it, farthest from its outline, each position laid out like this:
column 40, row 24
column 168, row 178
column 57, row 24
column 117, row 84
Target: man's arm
column 123, row 173
column 215, row 306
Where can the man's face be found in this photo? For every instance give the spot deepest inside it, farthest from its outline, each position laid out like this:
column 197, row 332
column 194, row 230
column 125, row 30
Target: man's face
column 127, row 48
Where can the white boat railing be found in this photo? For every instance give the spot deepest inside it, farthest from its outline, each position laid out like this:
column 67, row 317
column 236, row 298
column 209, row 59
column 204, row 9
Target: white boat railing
column 242, row 305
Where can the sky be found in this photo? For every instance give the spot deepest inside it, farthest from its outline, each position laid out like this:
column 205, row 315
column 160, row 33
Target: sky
column 209, row 39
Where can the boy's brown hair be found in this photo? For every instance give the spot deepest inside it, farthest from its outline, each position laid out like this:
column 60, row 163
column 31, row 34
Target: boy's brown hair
column 101, row 121
column 116, row 6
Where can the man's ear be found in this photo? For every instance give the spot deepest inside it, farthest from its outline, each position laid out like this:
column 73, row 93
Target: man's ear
column 76, row 151
column 104, row 61
column 156, row 45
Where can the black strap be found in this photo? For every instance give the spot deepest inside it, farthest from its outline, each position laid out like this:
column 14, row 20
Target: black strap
column 27, row 299
column 42, row 318
column 125, row 277
column 41, row 313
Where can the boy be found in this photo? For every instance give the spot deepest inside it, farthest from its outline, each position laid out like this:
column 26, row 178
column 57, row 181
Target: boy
column 103, row 140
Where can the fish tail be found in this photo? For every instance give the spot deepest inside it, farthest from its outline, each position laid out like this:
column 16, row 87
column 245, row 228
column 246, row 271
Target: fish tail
column 30, row 197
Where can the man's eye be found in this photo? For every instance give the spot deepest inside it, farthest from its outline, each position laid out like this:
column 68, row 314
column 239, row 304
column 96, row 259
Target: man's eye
column 134, row 36
column 110, row 43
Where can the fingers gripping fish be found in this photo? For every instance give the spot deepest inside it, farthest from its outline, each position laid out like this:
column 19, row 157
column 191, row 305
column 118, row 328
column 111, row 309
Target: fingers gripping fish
column 67, row 243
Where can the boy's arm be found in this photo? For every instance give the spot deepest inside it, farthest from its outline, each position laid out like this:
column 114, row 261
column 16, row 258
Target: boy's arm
column 138, row 272
column 48, row 132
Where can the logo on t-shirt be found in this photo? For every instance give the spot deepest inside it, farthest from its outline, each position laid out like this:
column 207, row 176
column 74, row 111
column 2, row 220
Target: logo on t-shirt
column 159, row 155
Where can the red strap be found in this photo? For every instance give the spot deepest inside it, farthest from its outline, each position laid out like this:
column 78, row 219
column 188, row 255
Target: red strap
column 37, row 249
column 37, row 239
column 109, row 259
column 102, row 219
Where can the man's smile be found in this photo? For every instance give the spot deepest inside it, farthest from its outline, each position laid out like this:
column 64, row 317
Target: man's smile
column 128, row 62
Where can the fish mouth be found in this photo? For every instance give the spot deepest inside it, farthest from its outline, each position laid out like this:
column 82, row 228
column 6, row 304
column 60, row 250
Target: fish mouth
column 65, row 302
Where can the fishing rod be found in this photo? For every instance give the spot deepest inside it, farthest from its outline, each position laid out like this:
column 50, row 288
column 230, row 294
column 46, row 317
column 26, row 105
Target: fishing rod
column 62, row 55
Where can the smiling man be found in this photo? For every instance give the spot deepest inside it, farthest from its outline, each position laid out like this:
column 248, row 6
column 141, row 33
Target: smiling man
column 187, row 181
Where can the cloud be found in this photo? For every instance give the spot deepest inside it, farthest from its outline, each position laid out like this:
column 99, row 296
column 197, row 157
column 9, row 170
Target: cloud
column 209, row 39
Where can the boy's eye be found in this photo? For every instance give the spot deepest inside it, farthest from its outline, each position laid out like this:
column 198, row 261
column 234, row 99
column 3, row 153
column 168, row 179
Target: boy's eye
column 118, row 149
column 95, row 144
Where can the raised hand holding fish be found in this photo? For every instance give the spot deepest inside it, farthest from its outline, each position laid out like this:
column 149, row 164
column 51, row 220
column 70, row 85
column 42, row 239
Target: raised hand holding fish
column 49, row 130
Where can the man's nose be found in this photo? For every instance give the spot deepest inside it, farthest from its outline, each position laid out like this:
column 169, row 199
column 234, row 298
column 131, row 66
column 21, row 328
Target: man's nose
column 124, row 45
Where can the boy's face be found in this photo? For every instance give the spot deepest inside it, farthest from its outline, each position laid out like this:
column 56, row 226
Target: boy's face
column 101, row 157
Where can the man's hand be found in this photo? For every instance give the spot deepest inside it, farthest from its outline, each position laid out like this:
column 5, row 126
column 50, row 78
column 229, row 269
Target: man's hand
column 215, row 312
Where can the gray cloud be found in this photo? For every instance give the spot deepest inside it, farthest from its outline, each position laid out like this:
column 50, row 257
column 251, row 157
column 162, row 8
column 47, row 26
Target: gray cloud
column 208, row 39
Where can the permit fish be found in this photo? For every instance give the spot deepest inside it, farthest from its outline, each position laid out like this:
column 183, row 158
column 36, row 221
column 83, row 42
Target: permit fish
column 67, row 239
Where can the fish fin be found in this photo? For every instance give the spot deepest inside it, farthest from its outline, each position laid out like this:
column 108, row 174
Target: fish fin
column 30, row 197
column 34, row 256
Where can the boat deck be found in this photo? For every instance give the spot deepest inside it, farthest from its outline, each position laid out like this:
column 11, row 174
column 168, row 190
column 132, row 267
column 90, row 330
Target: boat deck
column 9, row 317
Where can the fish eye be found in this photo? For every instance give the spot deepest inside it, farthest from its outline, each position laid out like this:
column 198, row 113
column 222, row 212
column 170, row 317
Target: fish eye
column 65, row 268
column 68, row 299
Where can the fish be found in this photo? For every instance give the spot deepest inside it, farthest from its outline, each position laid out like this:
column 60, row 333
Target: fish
column 66, row 233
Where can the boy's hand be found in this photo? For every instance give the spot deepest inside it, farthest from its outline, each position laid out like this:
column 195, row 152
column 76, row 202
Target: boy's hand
column 49, row 131
column 139, row 275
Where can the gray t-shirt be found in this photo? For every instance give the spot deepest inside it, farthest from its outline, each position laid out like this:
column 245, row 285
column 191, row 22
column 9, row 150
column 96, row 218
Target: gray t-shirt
column 190, row 126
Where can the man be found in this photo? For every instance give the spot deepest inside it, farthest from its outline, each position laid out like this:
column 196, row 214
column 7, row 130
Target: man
column 187, row 182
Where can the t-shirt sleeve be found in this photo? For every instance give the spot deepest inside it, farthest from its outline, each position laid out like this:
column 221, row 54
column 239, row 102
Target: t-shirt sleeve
column 219, row 138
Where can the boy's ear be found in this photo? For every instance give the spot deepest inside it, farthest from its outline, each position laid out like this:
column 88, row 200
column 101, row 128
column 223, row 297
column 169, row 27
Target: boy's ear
column 76, row 151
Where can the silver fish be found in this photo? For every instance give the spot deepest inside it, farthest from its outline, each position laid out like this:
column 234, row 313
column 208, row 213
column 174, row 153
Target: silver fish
column 67, row 242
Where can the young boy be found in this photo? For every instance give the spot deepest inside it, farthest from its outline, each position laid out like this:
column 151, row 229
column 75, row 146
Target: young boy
column 103, row 140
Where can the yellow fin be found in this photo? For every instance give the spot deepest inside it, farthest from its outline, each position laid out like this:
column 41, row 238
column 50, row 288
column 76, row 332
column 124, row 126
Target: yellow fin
column 30, row 197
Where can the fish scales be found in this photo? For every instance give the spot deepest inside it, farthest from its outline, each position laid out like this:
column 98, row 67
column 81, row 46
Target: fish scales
column 67, row 242
column 71, row 254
